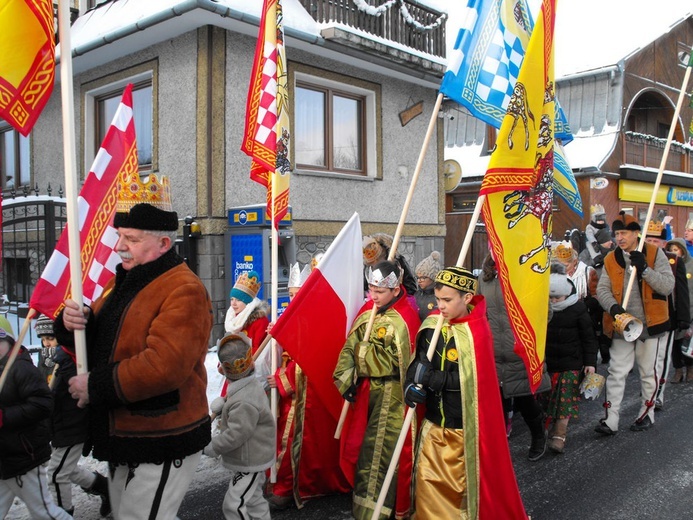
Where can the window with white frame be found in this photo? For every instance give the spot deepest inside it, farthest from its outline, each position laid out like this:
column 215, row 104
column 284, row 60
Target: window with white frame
column 334, row 126
column 14, row 158
column 100, row 107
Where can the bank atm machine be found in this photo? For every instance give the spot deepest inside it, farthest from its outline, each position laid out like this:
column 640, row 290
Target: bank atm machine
column 248, row 243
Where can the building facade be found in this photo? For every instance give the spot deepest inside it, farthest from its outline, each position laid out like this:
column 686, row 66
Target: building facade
column 352, row 71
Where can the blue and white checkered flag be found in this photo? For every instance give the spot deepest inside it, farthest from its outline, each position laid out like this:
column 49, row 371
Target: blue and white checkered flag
column 483, row 68
column 486, row 58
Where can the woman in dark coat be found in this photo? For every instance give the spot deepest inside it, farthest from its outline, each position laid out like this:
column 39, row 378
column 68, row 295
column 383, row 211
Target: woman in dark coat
column 512, row 374
column 571, row 351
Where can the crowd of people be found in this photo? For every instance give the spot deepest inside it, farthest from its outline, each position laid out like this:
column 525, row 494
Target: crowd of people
column 433, row 339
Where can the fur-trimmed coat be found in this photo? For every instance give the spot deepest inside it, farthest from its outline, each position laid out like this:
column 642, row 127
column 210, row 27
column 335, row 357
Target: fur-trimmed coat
column 147, row 339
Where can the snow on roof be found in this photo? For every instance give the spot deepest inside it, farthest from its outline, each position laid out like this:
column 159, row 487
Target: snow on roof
column 590, row 150
column 166, row 19
column 584, row 151
column 469, row 156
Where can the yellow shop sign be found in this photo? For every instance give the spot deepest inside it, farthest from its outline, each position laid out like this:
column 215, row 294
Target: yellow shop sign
column 642, row 192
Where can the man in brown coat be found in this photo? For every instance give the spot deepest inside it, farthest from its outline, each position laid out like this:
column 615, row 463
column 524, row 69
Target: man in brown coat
column 147, row 338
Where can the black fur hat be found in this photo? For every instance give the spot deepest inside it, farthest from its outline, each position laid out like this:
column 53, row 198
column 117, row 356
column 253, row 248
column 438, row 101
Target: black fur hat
column 625, row 221
column 145, row 216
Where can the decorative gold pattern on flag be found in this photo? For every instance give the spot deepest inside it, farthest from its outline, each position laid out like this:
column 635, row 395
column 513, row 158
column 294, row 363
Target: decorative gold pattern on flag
column 27, row 69
column 115, row 160
column 266, row 138
column 519, row 196
column 104, row 215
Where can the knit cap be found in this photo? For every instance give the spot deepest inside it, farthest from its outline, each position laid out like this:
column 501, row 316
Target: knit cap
column 429, row 266
column 6, row 329
column 559, row 284
column 235, row 355
column 44, row 326
column 246, row 287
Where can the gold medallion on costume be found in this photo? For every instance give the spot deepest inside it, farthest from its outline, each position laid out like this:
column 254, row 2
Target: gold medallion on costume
column 430, row 306
column 672, row 261
column 688, row 275
column 381, row 332
column 451, row 355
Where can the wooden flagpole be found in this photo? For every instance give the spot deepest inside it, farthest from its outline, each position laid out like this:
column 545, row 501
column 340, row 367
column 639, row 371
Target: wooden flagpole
column 398, row 234
column 463, row 253
column 429, row 354
column 660, row 173
column 17, row 345
column 71, row 179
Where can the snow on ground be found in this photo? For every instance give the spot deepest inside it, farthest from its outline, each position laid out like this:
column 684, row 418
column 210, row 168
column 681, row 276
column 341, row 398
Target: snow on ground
column 87, row 506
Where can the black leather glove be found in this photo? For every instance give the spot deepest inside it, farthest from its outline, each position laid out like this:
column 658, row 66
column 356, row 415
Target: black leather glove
column 683, row 325
column 637, row 260
column 598, row 260
column 616, row 309
column 414, row 395
column 350, row 394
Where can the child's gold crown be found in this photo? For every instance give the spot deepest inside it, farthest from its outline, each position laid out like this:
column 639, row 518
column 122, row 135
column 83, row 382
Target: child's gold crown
column 564, row 251
column 248, row 284
column 132, row 190
column 655, row 228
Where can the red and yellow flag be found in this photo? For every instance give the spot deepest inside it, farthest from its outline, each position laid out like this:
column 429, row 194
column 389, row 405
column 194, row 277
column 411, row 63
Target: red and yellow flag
column 519, row 196
column 266, row 138
column 27, row 66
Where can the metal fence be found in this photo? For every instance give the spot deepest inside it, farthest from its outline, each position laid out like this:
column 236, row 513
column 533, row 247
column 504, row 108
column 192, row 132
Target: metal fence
column 31, row 226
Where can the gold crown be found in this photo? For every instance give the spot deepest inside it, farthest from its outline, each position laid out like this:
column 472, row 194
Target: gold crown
column 597, row 209
column 564, row 251
column 249, row 285
column 238, row 366
column 132, row 190
column 655, row 228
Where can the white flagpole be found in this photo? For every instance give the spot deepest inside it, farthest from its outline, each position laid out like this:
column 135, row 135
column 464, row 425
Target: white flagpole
column 71, row 179
column 274, row 291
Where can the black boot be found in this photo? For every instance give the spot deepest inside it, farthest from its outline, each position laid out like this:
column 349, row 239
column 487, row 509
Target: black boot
column 100, row 488
column 537, row 448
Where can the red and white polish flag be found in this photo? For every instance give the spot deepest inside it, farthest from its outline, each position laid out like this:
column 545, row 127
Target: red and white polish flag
column 97, row 205
column 314, row 326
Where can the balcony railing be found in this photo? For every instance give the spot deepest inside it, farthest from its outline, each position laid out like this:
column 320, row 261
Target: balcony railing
column 647, row 150
column 405, row 22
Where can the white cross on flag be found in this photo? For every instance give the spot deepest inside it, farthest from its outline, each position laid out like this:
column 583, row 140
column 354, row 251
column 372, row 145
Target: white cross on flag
column 97, row 204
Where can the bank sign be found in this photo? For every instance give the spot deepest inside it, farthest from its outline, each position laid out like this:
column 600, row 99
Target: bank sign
column 642, row 192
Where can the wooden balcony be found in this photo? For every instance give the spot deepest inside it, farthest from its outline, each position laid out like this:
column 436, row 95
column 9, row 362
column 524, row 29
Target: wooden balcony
column 424, row 32
column 647, row 150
